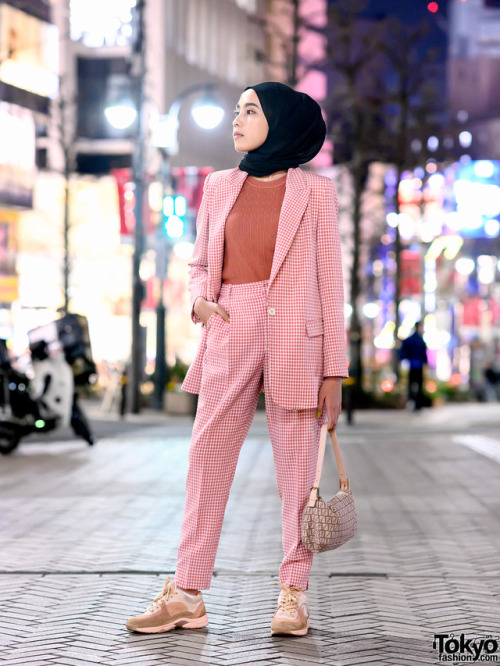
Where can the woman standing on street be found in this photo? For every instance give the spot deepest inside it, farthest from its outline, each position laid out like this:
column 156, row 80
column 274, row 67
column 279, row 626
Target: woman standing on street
column 266, row 285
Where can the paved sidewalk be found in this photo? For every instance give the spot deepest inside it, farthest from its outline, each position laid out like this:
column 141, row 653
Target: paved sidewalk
column 89, row 535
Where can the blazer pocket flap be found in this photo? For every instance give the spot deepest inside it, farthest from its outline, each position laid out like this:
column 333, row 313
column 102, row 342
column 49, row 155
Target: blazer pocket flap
column 314, row 327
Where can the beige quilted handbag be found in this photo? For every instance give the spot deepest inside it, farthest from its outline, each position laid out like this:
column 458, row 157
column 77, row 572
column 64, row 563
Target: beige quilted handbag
column 328, row 525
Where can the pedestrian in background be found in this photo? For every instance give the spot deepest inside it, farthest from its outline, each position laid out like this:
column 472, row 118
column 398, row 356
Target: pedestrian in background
column 414, row 349
column 123, row 391
column 491, row 382
column 266, row 285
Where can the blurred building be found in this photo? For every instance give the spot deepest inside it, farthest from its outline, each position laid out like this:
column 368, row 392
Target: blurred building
column 449, row 222
column 216, row 42
column 87, row 55
column 28, row 80
column 187, row 42
column 86, row 70
column 449, row 213
column 296, row 48
column 474, row 74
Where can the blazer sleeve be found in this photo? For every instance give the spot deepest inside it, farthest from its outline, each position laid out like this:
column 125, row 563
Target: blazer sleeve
column 331, row 284
column 198, row 265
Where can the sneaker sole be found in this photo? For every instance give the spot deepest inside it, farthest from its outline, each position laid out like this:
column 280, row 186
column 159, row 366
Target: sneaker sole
column 292, row 632
column 182, row 623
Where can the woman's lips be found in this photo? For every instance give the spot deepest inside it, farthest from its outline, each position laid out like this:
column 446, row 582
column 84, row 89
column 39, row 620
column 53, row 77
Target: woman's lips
column 237, row 135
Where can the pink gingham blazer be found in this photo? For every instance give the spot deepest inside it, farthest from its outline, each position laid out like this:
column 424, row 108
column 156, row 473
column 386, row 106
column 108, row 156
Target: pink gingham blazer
column 305, row 324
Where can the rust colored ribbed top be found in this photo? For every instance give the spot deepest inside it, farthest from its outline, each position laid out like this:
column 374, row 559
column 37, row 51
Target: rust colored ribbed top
column 250, row 231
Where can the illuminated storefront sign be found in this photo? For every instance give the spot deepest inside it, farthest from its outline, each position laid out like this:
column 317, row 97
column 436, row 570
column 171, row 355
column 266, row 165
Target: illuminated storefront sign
column 98, row 23
column 476, row 194
column 17, row 155
column 449, row 246
column 186, row 181
column 126, row 202
column 29, row 52
column 449, row 228
column 411, row 273
column 430, row 285
column 462, row 201
column 8, row 248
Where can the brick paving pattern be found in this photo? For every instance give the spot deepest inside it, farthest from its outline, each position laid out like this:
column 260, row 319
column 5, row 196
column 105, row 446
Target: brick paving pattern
column 89, row 535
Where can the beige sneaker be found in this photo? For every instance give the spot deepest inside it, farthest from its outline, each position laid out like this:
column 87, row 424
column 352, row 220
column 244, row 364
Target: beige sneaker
column 292, row 616
column 171, row 608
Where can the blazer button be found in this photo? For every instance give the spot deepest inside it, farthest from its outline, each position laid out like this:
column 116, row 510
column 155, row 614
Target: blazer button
column 271, row 311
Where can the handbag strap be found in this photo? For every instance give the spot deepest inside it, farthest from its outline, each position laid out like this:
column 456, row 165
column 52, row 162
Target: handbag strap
column 343, row 480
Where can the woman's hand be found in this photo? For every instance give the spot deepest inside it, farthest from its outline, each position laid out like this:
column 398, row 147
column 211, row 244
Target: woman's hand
column 330, row 397
column 205, row 309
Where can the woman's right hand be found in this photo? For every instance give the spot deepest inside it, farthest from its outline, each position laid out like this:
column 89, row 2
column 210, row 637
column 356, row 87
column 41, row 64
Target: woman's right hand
column 205, row 309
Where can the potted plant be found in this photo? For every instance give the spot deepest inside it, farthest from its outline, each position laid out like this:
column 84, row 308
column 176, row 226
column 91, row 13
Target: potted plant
column 178, row 401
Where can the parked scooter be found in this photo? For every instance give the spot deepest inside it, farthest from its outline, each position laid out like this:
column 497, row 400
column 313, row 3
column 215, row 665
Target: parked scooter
column 54, row 384
column 61, row 360
column 20, row 413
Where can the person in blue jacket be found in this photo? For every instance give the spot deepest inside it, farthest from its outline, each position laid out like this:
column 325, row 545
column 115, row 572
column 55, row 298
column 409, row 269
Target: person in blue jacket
column 414, row 349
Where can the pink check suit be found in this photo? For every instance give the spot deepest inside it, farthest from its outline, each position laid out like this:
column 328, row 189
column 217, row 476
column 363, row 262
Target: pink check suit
column 285, row 335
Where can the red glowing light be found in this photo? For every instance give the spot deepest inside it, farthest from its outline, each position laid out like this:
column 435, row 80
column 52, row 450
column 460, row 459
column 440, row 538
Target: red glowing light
column 456, row 379
column 433, row 7
column 387, row 385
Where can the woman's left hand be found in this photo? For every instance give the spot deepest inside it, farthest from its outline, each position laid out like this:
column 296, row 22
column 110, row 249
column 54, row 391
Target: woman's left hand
column 330, row 398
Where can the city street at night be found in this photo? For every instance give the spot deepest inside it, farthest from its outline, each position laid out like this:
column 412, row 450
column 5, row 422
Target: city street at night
column 89, row 535
column 221, row 220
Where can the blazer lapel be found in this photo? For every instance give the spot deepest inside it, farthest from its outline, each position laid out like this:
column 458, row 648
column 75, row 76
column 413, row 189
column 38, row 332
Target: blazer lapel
column 294, row 205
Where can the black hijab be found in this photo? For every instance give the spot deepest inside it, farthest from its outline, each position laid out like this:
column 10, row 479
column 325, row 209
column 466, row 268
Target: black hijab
column 297, row 130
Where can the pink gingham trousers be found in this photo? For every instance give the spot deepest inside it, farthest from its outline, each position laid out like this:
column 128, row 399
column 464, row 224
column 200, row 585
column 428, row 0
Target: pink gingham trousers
column 233, row 367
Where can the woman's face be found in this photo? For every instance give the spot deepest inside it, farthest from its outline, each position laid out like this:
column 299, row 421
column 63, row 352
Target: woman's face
column 250, row 126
